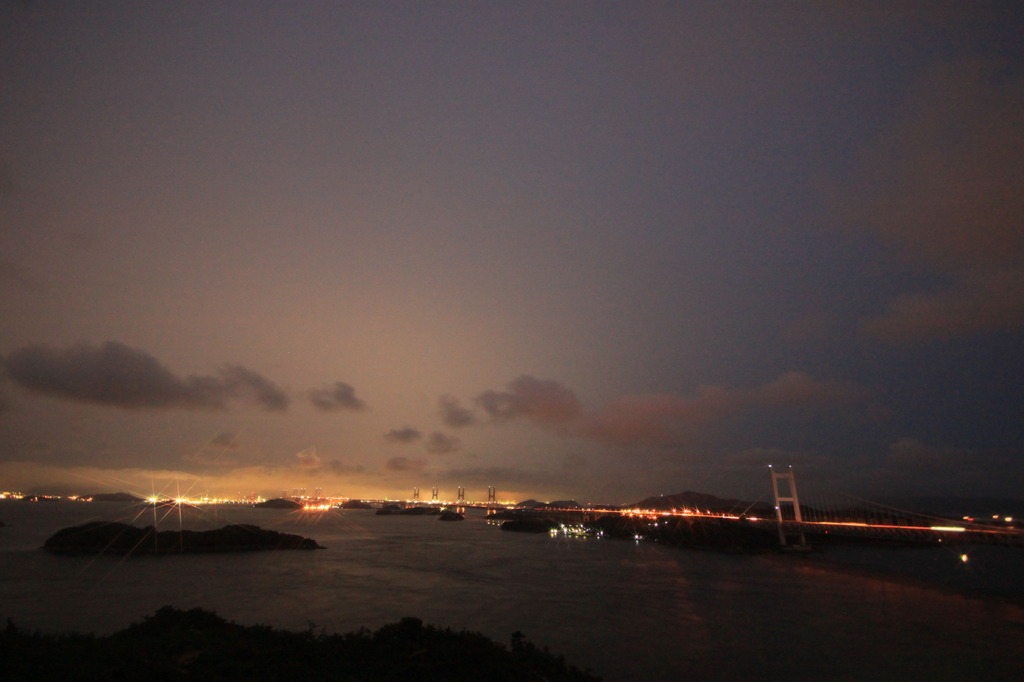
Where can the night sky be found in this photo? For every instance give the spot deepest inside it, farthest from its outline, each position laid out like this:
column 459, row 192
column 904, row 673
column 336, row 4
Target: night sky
column 590, row 250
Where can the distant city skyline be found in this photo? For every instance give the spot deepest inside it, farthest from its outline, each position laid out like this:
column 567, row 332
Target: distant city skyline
column 571, row 250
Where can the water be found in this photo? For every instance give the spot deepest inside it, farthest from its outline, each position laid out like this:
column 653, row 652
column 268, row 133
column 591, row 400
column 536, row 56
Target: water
column 627, row 611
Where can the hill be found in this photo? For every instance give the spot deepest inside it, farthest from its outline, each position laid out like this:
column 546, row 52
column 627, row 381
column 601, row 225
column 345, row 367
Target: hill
column 703, row 502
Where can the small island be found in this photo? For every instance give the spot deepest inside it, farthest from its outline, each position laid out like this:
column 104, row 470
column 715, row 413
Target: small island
column 279, row 503
column 122, row 539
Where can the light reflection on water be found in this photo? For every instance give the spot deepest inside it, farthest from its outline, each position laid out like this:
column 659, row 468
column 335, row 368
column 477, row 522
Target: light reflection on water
column 626, row 610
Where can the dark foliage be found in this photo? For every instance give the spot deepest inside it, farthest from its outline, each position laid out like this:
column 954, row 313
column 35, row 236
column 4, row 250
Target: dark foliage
column 176, row 645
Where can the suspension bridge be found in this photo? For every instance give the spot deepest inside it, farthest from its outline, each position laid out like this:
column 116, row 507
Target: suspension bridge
column 849, row 517
column 829, row 518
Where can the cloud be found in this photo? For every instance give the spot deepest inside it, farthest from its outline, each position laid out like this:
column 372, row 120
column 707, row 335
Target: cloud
column 404, row 464
column 541, row 401
column 238, row 380
column 114, row 374
column 977, row 303
column 912, row 453
column 661, row 419
column 307, row 459
column 441, row 444
column 223, row 450
column 911, row 467
column 225, row 439
column 337, row 466
column 406, row 434
column 341, row 396
column 943, row 187
column 453, row 413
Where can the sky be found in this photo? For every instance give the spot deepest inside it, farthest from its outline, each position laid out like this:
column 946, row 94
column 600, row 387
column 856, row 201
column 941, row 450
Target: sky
column 572, row 250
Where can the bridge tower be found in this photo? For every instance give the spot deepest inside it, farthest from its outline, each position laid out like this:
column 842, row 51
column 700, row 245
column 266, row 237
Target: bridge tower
column 492, row 495
column 789, row 496
column 416, row 494
column 433, row 494
column 462, row 495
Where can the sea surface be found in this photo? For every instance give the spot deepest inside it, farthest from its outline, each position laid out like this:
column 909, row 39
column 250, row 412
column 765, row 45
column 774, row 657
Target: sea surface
column 625, row 610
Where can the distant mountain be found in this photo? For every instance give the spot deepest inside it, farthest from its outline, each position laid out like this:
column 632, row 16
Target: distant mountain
column 557, row 504
column 115, row 497
column 702, row 501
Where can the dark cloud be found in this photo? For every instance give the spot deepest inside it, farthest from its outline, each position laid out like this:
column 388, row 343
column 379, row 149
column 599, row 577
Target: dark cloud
column 453, row 413
column 441, row 444
column 225, row 439
column 238, row 380
column 220, row 451
column 404, row 464
column 912, row 466
column 976, row 303
column 341, row 396
column 658, row 419
column 542, row 401
column 114, row 374
column 942, row 186
column 406, row 434
column 336, row 466
column 915, row 455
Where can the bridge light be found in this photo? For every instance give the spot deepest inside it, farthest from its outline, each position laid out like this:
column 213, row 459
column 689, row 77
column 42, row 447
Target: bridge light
column 963, row 558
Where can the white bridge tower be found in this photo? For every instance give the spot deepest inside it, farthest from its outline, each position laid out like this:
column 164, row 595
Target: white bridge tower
column 790, row 497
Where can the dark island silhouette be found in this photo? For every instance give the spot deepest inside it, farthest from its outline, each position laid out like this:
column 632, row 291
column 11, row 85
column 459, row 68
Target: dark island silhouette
column 114, row 497
column 279, row 503
column 101, row 537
